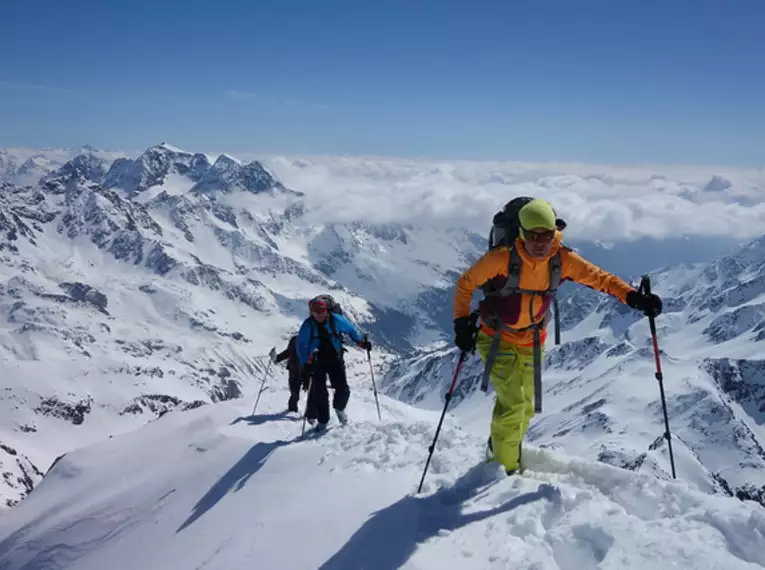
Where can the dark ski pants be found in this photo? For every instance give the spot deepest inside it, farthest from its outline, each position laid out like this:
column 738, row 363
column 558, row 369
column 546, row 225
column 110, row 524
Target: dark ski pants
column 317, row 406
column 295, row 383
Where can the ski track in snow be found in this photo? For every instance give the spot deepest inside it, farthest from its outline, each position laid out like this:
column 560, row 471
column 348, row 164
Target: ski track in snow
column 219, row 488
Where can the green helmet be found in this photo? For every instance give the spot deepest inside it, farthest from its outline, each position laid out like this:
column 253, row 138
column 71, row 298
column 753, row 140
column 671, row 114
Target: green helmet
column 536, row 214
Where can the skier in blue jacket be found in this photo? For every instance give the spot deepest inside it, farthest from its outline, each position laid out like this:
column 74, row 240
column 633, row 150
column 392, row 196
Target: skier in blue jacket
column 319, row 346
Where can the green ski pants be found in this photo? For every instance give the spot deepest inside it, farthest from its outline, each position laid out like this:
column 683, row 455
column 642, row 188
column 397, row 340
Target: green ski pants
column 513, row 379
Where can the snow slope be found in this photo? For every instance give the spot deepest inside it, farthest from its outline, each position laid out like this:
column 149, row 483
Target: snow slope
column 219, row 488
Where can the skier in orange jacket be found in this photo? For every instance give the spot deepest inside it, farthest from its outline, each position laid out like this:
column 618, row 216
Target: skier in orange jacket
column 514, row 318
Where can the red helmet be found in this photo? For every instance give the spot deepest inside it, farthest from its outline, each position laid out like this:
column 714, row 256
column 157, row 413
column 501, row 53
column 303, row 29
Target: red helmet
column 317, row 305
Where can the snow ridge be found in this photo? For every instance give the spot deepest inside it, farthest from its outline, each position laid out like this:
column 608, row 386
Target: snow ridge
column 194, row 478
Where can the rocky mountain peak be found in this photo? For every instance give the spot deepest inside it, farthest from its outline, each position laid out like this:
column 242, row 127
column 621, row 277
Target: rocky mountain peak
column 153, row 167
column 229, row 175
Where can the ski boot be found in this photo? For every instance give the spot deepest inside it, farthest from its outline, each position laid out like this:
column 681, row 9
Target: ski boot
column 489, row 454
column 519, row 469
column 520, row 459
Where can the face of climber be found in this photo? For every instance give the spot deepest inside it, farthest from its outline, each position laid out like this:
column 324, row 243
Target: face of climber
column 318, row 310
column 538, row 241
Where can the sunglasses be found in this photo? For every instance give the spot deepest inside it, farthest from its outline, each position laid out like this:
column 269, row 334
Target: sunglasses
column 539, row 236
column 317, row 308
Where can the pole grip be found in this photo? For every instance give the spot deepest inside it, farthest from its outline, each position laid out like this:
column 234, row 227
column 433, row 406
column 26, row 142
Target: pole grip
column 645, row 285
column 474, row 324
column 645, row 289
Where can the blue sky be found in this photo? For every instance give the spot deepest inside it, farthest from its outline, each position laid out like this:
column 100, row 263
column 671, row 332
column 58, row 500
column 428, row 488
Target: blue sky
column 607, row 81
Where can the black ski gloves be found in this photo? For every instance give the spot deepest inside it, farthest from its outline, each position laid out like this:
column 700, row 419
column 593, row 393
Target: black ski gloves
column 465, row 333
column 649, row 305
column 365, row 345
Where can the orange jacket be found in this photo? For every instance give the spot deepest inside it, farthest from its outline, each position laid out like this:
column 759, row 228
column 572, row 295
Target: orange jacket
column 535, row 275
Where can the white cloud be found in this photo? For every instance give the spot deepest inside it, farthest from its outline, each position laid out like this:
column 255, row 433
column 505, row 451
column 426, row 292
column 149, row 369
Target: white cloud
column 598, row 202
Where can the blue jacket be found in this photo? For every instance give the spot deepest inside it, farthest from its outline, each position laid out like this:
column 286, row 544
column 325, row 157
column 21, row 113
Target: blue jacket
column 308, row 337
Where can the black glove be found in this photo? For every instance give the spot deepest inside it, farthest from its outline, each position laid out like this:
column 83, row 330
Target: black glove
column 649, row 305
column 365, row 345
column 464, row 333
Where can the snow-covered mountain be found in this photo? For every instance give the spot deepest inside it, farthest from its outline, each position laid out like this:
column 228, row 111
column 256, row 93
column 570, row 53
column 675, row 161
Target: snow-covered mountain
column 138, row 289
column 135, row 283
column 219, row 488
column 26, row 166
column 601, row 400
column 152, row 283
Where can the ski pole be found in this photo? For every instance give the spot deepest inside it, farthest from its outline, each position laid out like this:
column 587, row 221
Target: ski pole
column 262, row 387
column 372, row 374
column 307, row 399
column 645, row 288
column 448, row 397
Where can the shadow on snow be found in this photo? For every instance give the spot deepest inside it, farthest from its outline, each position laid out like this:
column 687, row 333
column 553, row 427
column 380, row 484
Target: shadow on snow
column 237, row 477
column 390, row 536
column 263, row 418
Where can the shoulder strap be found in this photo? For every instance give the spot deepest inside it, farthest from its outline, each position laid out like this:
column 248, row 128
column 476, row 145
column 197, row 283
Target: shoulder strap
column 333, row 328
column 333, row 325
column 314, row 329
column 514, row 265
column 555, row 272
column 318, row 330
column 556, row 269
